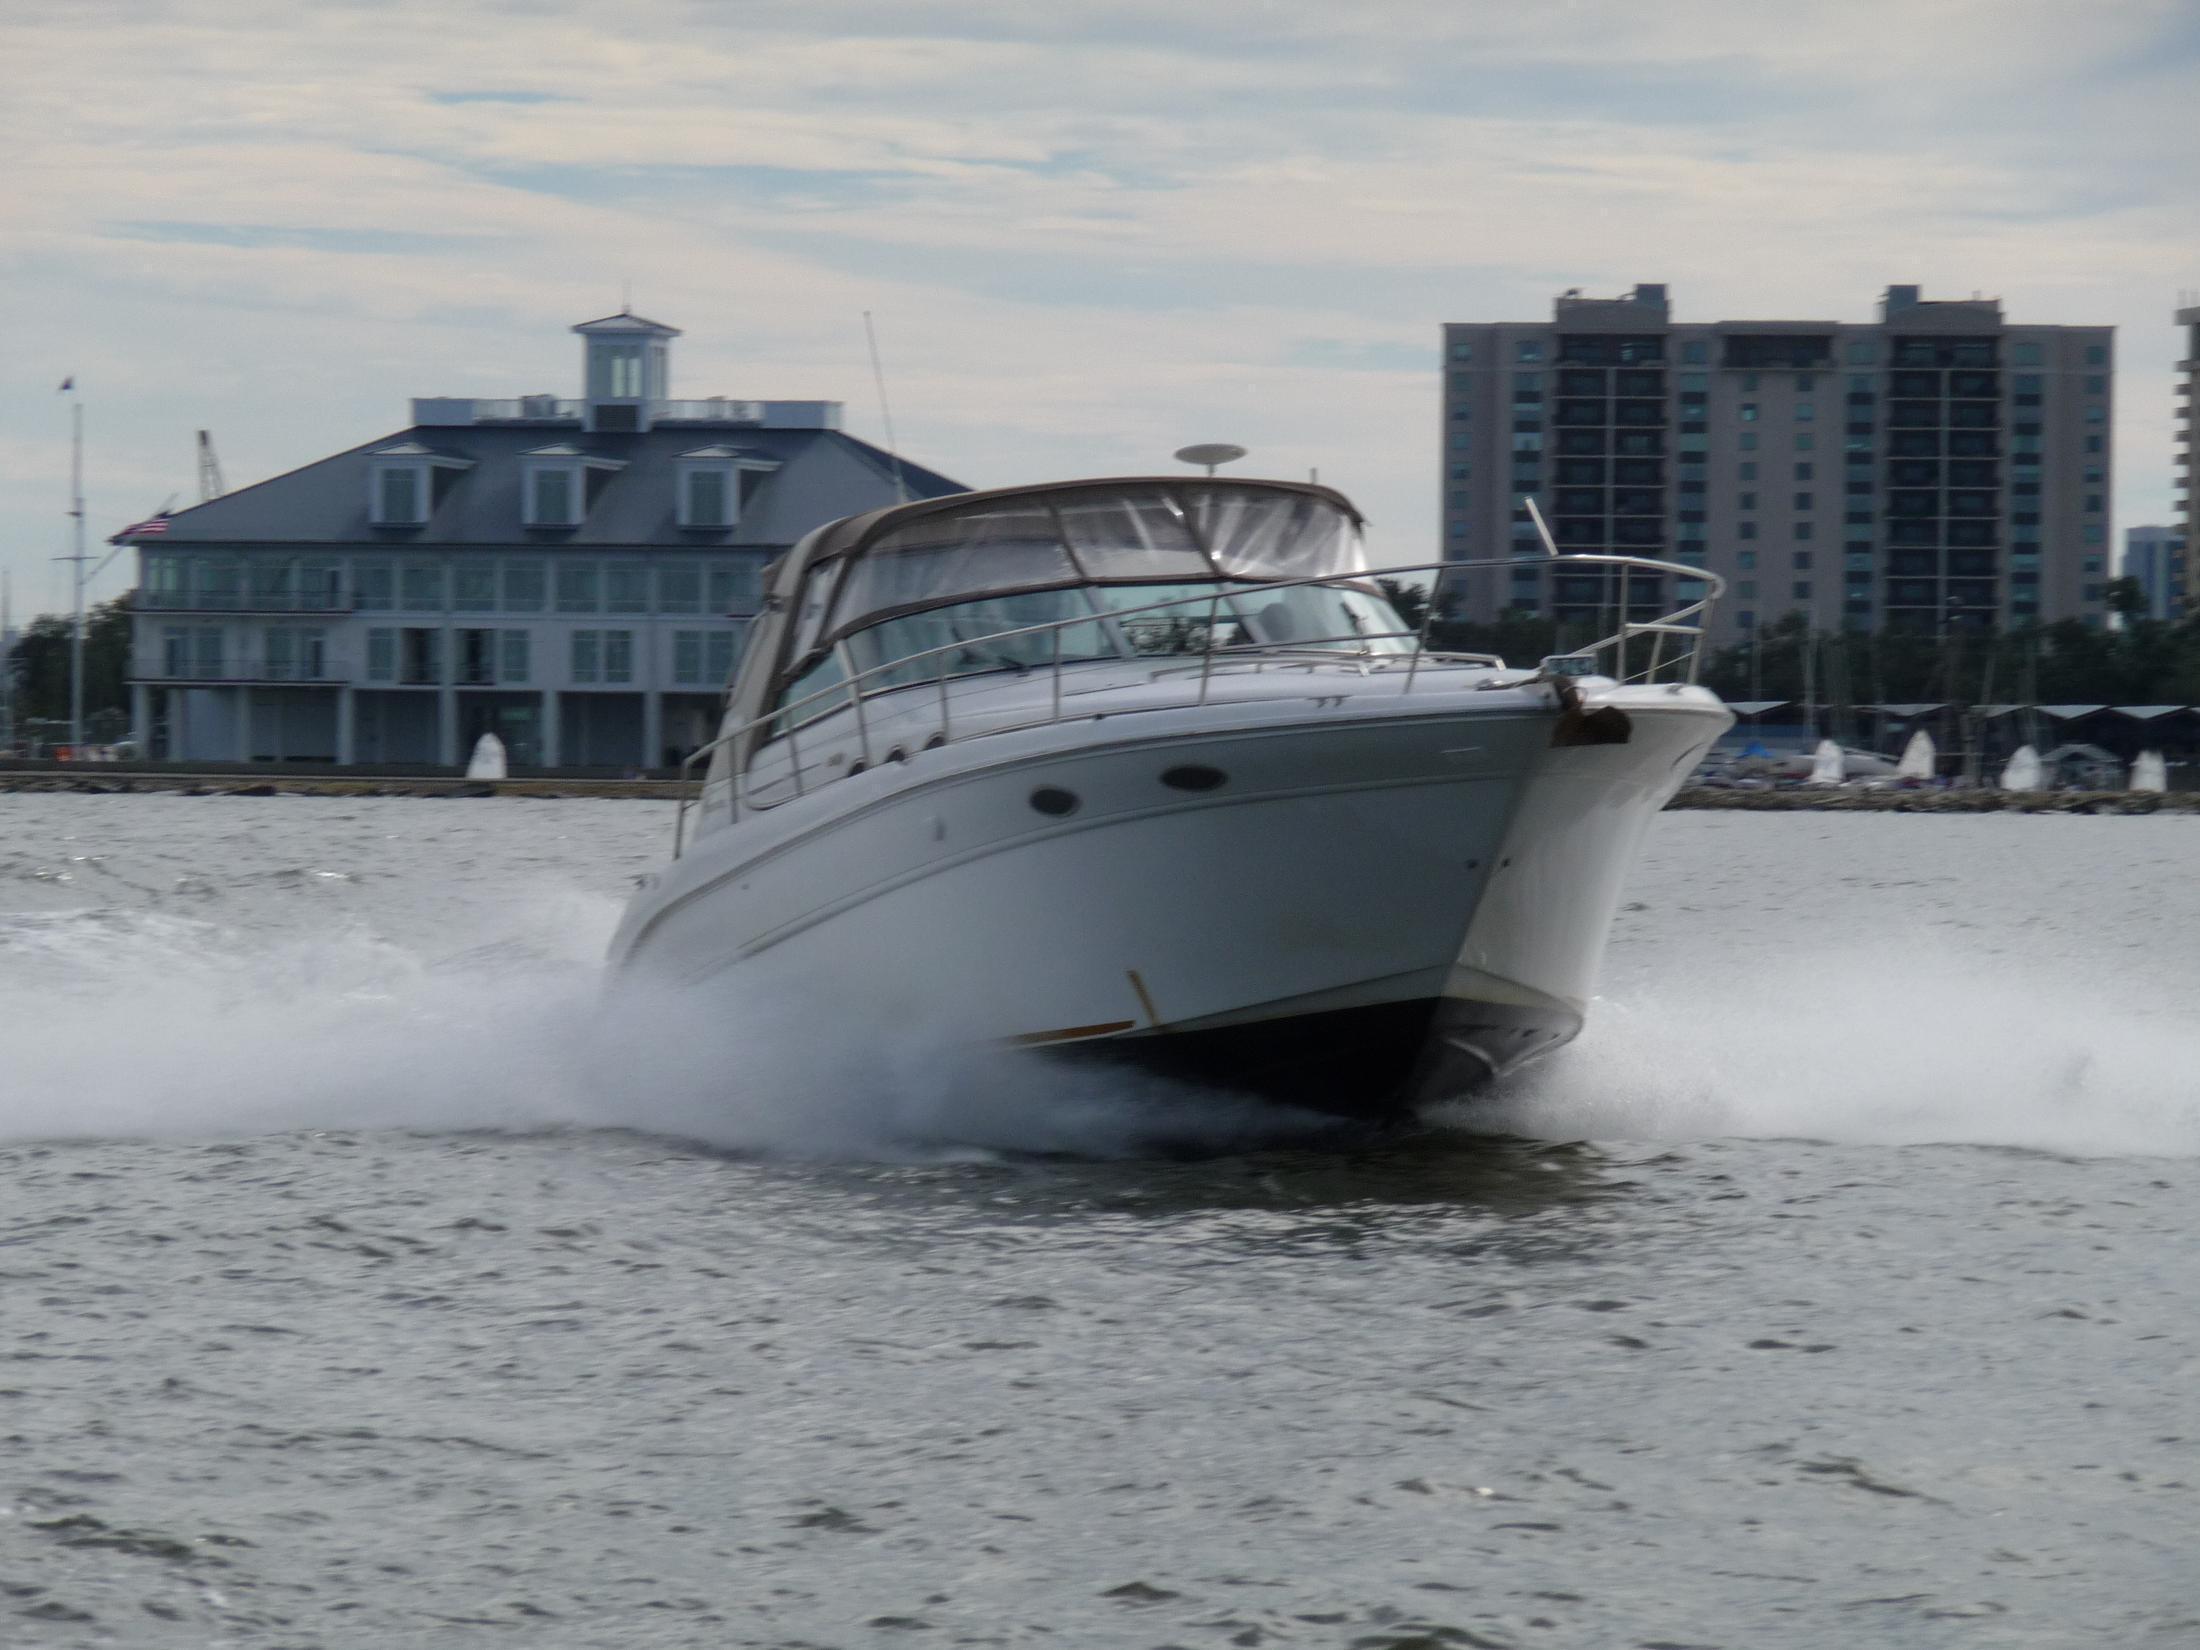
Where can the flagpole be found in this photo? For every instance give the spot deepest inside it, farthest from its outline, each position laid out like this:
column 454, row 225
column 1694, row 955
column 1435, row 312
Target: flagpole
column 76, row 511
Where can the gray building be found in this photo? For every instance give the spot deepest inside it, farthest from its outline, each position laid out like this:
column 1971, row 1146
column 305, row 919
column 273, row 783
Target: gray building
column 2155, row 556
column 572, row 575
column 1938, row 467
column 2187, row 478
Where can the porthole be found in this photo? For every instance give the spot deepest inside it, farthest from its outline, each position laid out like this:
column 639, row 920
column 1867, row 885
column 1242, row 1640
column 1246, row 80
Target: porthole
column 935, row 742
column 1194, row 776
column 897, row 754
column 1052, row 799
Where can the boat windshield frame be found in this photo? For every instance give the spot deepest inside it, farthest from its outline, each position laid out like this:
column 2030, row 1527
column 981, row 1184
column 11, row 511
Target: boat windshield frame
column 1198, row 515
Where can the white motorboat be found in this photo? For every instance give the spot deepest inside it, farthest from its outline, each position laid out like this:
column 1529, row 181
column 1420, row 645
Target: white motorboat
column 1151, row 769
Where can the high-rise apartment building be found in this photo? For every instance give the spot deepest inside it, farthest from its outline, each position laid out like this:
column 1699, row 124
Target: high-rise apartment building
column 2187, row 500
column 2155, row 557
column 1938, row 467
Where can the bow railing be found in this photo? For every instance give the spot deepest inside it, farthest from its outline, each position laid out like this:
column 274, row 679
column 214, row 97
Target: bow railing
column 1670, row 646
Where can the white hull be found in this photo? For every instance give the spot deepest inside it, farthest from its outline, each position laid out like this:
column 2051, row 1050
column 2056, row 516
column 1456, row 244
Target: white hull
column 1380, row 894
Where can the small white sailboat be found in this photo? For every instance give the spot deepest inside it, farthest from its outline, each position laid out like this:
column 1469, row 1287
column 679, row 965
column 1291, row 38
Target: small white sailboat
column 1917, row 757
column 2150, row 772
column 2022, row 771
column 488, row 758
column 1828, row 765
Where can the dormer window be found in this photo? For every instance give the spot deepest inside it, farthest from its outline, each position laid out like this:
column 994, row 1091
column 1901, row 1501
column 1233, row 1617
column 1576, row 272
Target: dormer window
column 714, row 483
column 708, row 498
column 406, row 482
column 402, row 495
column 559, row 484
column 551, row 495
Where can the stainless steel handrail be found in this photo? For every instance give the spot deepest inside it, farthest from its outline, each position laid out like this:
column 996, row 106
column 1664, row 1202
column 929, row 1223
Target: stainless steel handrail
column 1686, row 620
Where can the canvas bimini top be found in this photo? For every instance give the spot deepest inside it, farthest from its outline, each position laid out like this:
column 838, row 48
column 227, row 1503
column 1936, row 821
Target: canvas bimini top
column 924, row 574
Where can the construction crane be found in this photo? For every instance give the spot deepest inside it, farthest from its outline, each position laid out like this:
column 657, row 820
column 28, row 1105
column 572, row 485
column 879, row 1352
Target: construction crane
column 210, row 469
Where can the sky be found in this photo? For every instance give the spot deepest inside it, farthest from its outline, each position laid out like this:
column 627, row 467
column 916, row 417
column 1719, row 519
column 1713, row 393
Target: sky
column 1089, row 233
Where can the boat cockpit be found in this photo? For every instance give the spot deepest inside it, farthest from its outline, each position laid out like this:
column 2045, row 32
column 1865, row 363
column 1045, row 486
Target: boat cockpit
column 1039, row 577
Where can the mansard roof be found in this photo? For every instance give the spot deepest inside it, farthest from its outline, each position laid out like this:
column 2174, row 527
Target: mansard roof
column 804, row 478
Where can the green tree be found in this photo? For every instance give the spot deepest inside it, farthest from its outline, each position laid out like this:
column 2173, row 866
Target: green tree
column 40, row 661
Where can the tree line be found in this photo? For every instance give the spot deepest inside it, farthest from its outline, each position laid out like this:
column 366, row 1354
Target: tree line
column 2138, row 661
column 39, row 666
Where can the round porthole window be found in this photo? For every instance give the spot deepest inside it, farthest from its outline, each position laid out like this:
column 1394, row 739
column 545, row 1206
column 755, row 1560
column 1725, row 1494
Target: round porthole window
column 1194, row 776
column 1052, row 799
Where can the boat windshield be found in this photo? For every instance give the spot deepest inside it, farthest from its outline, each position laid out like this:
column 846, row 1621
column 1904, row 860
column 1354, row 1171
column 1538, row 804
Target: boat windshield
column 951, row 579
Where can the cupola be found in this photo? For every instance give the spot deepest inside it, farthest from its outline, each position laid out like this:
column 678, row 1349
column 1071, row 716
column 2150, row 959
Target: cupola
column 625, row 370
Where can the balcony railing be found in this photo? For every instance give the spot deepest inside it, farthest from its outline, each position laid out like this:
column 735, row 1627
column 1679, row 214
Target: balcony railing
column 240, row 601
column 157, row 667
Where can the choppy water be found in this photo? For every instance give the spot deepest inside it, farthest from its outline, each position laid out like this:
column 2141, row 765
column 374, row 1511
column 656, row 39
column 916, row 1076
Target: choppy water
column 336, row 1309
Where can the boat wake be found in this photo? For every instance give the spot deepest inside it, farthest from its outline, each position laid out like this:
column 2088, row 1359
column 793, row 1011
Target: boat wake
column 148, row 1025
column 1866, row 1048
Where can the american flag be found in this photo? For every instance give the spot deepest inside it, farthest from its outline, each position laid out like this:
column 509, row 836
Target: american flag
column 144, row 529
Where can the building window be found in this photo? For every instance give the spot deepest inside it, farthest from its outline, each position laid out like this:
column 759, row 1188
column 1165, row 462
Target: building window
column 1747, row 530
column 1802, row 530
column 1528, row 350
column 1696, row 355
column 1803, row 471
column 1801, row 561
column 1802, row 590
column 687, row 657
column 1749, row 441
column 718, row 651
column 626, row 588
column 707, row 495
column 1863, row 353
column 474, row 587
column 1749, row 412
column 2024, row 355
column 1804, row 442
column 400, row 495
column 732, row 587
column 1749, row 470
column 381, row 655
column 522, row 586
column 1461, row 350
column 374, row 586
column 618, row 656
column 2092, row 443
column 512, row 659
column 579, row 589
column 1747, row 588
column 587, row 656
column 420, row 587
column 1745, row 560
column 1805, row 380
column 680, row 588
column 551, row 496
column 1806, row 412
column 1805, row 501
column 2096, row 355
column 1748, row 501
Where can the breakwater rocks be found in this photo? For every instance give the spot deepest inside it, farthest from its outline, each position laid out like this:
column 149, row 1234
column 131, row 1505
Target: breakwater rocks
column 111, row 781
column 1829, row 799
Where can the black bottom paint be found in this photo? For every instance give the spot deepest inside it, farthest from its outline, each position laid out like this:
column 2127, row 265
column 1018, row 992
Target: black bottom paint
column 1378, row 1061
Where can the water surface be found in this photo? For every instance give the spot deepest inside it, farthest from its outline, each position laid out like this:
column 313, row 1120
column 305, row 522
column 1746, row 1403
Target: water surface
column 362, row 1287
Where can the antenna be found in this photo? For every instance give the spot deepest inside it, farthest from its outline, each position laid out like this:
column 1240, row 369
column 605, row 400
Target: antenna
column 1541, row 531
column 210, row 470
column 1210, row 453
column 626, row 295
column 78, row 558
column 885, row 412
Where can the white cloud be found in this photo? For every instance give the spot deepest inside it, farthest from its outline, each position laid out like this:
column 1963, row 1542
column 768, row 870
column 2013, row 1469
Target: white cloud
column 1091, row 233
